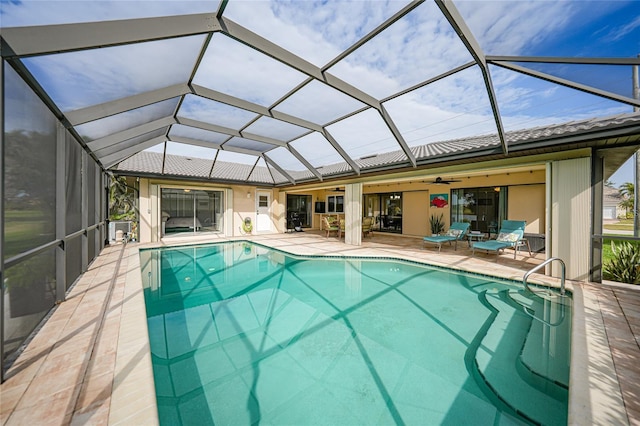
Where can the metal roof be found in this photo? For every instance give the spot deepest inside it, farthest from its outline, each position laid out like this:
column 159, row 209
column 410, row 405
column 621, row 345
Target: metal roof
column 591, row 132
column 277, row 93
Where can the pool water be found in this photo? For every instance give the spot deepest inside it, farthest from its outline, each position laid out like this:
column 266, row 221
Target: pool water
column 242, row 334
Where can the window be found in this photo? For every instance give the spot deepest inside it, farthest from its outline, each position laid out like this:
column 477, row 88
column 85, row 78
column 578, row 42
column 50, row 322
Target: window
column 483, row 208
column 298, row 210
column 335, row 204
column 263, row 201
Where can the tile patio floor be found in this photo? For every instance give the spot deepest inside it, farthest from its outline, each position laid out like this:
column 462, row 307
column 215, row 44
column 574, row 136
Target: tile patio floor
column 90, row 362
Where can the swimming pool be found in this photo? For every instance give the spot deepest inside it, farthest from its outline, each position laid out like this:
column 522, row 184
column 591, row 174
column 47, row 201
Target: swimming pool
column 242, row 334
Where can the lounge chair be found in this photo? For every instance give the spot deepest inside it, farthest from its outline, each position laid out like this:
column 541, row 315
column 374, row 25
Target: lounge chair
column 367, row 226
column 331, row 225
column 509, row 236
column 457, row 231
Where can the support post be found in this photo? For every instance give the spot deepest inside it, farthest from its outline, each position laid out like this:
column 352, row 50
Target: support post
column 636, row 175
column 353, row 214
column 85, row 210
column 2, row 181
column 597, row 188
column 61, row 210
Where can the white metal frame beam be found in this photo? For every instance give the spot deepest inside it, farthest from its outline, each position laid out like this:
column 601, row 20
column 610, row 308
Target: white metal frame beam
column 50, row 39
column 452, row 15
column 113, row 159
column 130, row 133
column 96, row 112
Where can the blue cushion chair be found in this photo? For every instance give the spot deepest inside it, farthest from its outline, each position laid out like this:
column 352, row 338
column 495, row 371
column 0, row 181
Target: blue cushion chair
column 457, row 231
column 509, row 236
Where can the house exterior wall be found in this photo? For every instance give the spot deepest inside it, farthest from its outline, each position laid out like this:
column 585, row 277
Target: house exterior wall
column 526, row 202
column 526, row 199
column 240, row 203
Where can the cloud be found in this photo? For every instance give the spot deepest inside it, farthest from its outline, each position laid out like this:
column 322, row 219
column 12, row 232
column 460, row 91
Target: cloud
column 208, row 111
column 275, row 129
column 314, row 30
column 317, row 150
column 334, row 104
column 80, row 79
column 419, row 46
column 619, row 33
column 364, row 134
column 233, row 68
column 513, row 27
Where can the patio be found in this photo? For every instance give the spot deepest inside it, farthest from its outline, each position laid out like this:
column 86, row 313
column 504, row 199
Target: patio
column 90, row 361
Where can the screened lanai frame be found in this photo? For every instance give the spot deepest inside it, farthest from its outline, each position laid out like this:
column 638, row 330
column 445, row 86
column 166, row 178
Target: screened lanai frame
column 278, row 120
column 260, row 137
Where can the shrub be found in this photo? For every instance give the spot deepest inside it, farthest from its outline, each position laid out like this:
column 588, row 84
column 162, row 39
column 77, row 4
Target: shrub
column 623, row 266
column 437, row 224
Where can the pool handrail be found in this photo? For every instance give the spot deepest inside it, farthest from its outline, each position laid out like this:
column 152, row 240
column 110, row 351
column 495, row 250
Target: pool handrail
column 546, row 262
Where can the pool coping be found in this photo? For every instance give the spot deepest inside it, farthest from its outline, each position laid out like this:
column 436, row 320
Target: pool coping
column 594, row 392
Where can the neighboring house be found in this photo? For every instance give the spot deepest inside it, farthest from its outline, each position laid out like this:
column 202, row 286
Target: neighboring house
column 611, row 200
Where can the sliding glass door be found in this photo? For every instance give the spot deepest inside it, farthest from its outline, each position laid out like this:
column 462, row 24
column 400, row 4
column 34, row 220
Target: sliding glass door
column 386, row 209
column 483, row 208
column 187, row 210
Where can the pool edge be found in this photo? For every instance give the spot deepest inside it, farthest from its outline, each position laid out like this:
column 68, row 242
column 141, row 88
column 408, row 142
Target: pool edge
column 594, row 391
column 133, row 399
column 595, row 397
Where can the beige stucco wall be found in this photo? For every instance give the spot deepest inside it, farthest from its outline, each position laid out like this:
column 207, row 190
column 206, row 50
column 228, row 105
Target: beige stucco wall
column 416, row 212
column 526, row 202
column 243, row 205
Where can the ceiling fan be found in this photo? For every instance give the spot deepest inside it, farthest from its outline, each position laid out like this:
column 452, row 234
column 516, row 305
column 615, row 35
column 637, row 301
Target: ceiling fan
column 337, row 190
column 440, row 181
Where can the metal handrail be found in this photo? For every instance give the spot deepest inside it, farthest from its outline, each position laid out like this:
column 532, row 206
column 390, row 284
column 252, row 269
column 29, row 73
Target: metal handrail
column 551, row 259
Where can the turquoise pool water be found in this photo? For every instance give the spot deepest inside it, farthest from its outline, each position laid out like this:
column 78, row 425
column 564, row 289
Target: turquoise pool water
column 242, row 334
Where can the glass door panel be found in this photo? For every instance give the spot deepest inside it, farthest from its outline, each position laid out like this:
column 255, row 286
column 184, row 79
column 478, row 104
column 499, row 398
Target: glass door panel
column 298, row 211
column 186, row 210
column 386, row 209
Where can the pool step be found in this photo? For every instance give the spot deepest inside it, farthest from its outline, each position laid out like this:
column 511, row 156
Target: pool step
column 546, row 351
column 498, row 359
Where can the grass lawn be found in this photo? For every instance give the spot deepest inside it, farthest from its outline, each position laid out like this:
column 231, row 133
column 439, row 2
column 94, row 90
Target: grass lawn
column 622, row 225
column 24, row 230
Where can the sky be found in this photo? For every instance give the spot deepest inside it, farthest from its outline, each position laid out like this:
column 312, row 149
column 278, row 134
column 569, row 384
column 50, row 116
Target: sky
column 626, row 173
column 417, row 47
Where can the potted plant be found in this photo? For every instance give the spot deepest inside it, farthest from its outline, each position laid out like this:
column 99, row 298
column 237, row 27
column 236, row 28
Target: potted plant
column 437, row 224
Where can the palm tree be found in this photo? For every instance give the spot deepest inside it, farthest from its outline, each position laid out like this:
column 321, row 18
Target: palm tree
column 627, row 192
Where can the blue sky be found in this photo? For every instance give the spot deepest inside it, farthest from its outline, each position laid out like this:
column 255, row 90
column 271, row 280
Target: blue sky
column 624, row 174
column 418, row 46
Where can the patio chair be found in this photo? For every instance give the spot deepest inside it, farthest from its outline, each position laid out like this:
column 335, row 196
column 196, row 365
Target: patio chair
column 457, row 231
column 367, row 226
column 331, row 225
column 509, row 236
